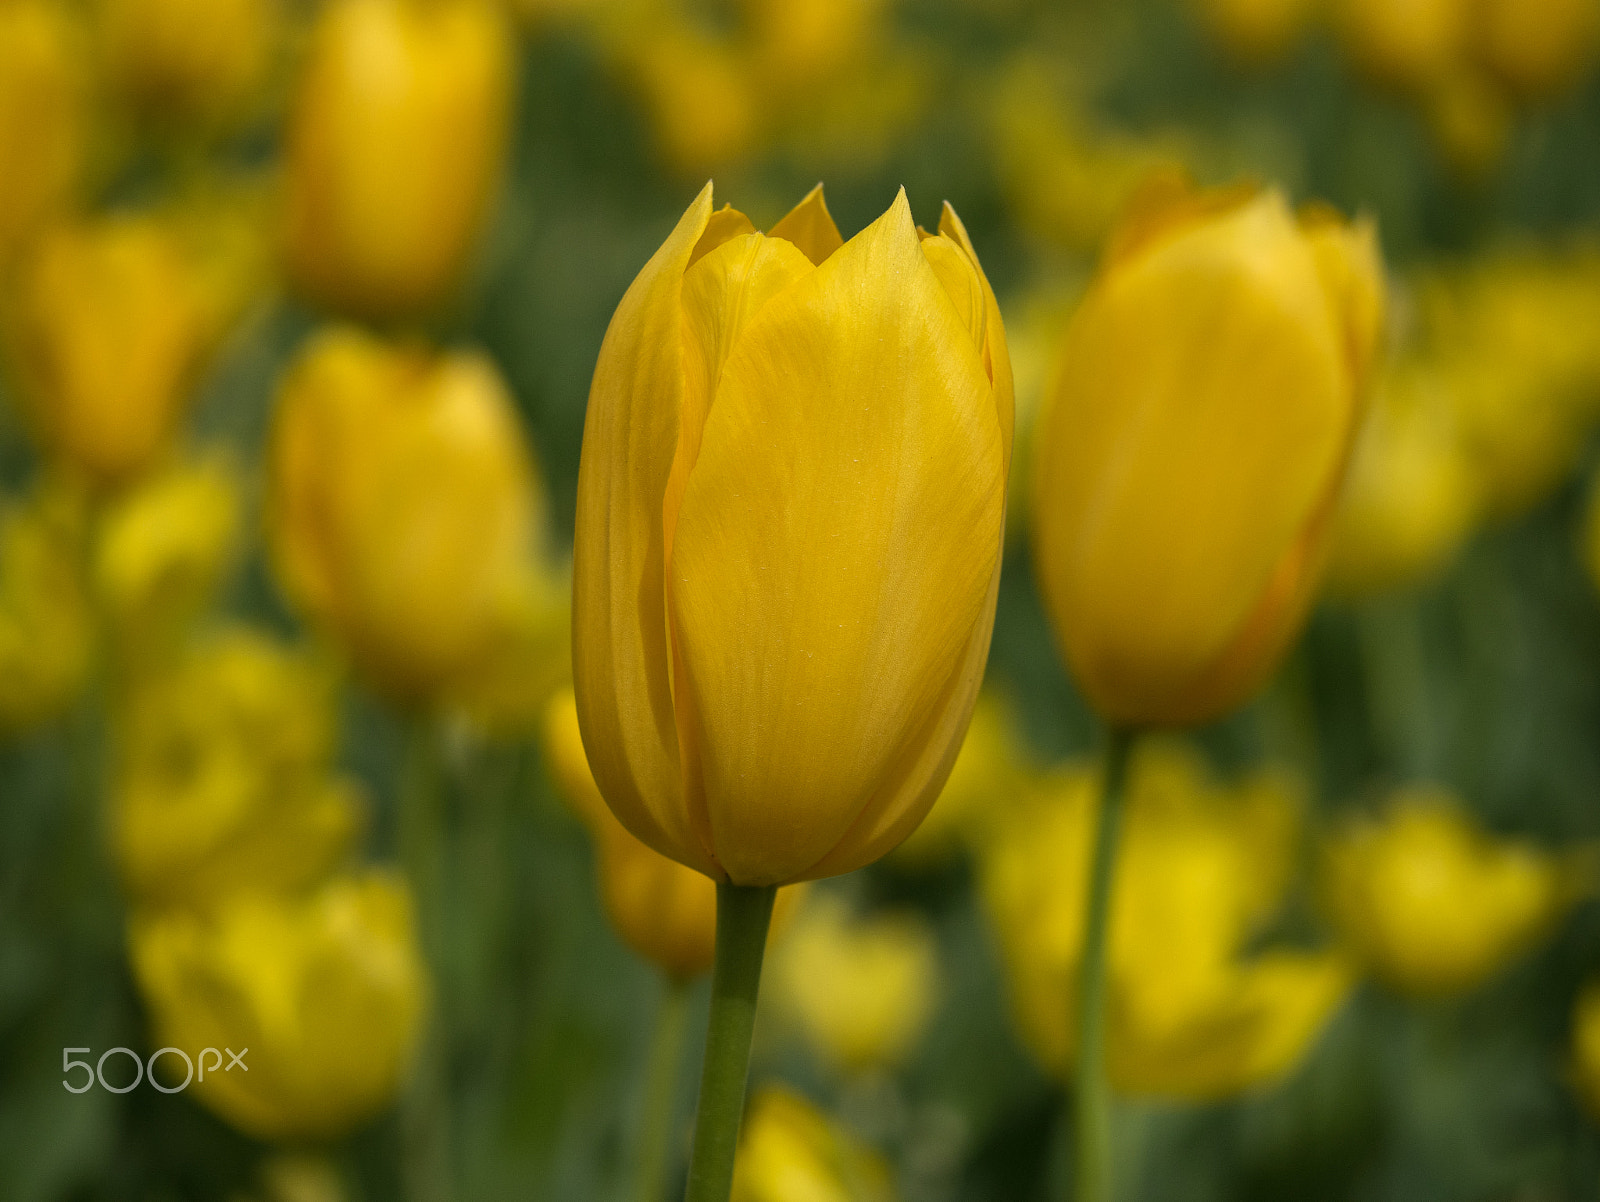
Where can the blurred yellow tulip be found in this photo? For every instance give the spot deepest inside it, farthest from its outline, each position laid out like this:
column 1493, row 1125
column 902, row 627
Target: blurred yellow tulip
column 1412, row 495
column 663, row 911
column 1537, row 48
column 46, row 623
column 42, row 86
column 1432, row 904
column 782, row 601
column 699, row 90
column 1586, row 1047
column 326, row 993
column 403, row 506
column 395, row 149
column 223, row 780
column 1192, row 1015
column 162, row 549
column 789, row 1151
column 1192, row 453
column 106, row 334
column 1405, row 44
column 988, row 776
column 1256, row 31
column 861, row 988
column 188, row 60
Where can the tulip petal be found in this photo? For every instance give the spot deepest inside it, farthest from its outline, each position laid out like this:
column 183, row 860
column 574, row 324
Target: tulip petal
column 834, row 552
column 810, row 226
column 1180, row 466
column 997, row 357
column 620, row 655
column 727, row 222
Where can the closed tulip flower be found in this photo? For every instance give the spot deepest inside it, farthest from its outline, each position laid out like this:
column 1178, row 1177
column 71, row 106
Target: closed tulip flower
column 1194, row 448
column 790, row 511
column 326, row 993
column 402, row 505
column 42, row 87
column 1432, row 904
column 223, row 782
column 394, row 150
column 107, row 333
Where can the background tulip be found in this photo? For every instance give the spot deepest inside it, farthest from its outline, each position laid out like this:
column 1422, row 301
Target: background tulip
column 788, row 537
column 395, row 147
column 42, row 121
column 1194, row 447
column 195, row 60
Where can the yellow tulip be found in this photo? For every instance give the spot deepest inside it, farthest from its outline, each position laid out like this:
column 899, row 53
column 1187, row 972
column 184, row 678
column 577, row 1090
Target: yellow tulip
column 162, row 549
column 1033, row 332
column 506, row 691
column 663, row 911
column 1256, row 31
column 223, row 779
column 790, row 511
column 188, row 60
column 42, row 89
column 861, row 988
column 1201, row 868
column 1537, row 48
column 789, row 1151
column 1412, row 496
column 46, row 626
column 107, row 333
column 395, row 148
column 1194, row 447
column 402, row 507
column 1404, row 44
column 326, row 993
column 1586, row 1047
column 1432, row 904
column 700, row 93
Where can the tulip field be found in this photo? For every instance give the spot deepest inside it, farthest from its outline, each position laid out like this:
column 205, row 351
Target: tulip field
column 799, row 600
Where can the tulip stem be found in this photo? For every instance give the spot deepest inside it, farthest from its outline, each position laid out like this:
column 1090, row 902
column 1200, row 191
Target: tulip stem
column 743, row 915
column 660, row 1091
column 425, row 1113
column 1093, row 1102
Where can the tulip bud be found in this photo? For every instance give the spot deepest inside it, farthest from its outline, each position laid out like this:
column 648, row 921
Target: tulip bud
column 1196, row 1009
column 1432, row 904
column 402, row 505
column 223, row 782
column 107, row 334
column 1196, row 441
column 326, row 995
column 782, row 600
column 1537, row 48
column 789, row 1150
column 41, row 117
column 188, row 60
column 861, row 988
column 394, row 150
column 663, row 911
column 1411, row 498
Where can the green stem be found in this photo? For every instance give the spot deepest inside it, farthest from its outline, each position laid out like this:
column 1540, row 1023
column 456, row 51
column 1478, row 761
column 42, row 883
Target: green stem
column 1093, row 1103
column 743, row 915
column 425, row 1114
column 660, row 1091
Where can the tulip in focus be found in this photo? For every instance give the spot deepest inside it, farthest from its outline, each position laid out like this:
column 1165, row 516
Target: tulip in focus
column 1434, row 906
column 188, row 60
column 861, row 988
column 224, row 783
column 1194, row 1013
column 1412, row 495
column 1193, row 451
column 106, row 334
column 42, row 93
column 327, row 993
column 790, row 510
column 395, row 149
column 402, row 507
column 791, row 1152
column 46, row 622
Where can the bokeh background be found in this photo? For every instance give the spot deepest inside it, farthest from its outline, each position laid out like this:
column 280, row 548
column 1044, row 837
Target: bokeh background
column 298, row 308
